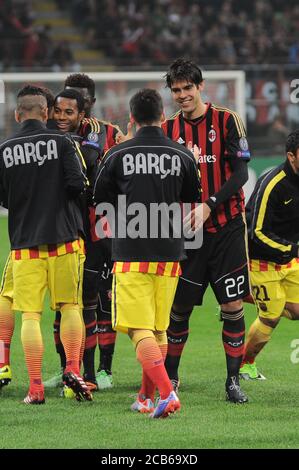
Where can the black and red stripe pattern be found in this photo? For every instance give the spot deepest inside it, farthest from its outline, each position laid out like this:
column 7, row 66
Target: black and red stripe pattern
column 218, row 134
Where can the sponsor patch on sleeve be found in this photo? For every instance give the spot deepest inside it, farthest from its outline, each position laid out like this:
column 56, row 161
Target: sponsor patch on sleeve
column 241, row 154
column 93, row 137
column 243, row 143
column 90, row 144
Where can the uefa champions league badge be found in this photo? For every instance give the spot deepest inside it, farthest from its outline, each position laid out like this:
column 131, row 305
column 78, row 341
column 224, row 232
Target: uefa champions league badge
column 93, row 137
column 243, row 143
column 212, row 135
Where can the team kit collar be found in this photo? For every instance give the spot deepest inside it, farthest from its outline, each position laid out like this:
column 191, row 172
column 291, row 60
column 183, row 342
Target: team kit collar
column 196, row 121
column 32, row 123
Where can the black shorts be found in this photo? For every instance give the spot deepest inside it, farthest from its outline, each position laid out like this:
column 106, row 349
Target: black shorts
column 222, row 261
column 97, row 279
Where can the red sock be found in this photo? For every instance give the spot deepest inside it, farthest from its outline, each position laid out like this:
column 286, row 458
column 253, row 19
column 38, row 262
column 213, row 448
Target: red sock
column 151, row 359
column 148, row 388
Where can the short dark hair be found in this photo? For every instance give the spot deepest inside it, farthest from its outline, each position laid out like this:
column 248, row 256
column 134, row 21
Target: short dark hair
column 37, row 103
column 81, row 80
column 183, row 69
column 34, row 90
column 292, row 143
column 146, row 106
column 72, row 95
column 50, row 97
column 31, row 90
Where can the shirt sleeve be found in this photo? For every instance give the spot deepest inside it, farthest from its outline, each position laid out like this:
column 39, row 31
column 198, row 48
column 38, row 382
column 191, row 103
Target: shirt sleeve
column 191, row 189
column 236, row 144
column 74, row 177
column 237, row 179
column 105, row 187
column 262, row 232
column 93, row 134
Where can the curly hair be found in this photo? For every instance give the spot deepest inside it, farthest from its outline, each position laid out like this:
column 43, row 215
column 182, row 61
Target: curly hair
column 81, row 80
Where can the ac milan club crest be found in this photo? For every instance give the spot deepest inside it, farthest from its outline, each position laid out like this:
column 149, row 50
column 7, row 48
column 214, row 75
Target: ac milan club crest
column 212, row 135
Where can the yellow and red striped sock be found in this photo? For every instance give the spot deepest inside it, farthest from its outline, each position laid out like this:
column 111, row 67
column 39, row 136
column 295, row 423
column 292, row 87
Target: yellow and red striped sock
column 162, row 342
column 7, row 325
column 71, row 336
column 33, row 349
column 258, row 336
column 148, row 388
column 149, row 355
column 83, row 338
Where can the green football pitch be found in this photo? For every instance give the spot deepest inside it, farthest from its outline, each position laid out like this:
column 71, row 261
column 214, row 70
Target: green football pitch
column 206, row 420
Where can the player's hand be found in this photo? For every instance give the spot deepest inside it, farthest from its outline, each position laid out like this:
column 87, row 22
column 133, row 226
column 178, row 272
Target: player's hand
column 194, row 150
column 121, row 137
column 194, row 221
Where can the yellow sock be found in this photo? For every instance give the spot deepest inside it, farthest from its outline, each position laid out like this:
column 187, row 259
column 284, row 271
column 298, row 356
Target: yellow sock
column 7, row 325
column 258, row 336
column 33, row 348
column 162, row 342
column 71, row 336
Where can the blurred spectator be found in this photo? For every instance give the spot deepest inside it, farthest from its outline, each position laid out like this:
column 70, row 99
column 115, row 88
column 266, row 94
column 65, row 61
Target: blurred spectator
column 229, row 32
column 62, row 58
column 130, row 32
column 277, row 135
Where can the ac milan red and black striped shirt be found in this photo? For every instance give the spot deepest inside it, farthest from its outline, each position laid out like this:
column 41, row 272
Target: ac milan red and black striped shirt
column 90, row 129
column 220, row 136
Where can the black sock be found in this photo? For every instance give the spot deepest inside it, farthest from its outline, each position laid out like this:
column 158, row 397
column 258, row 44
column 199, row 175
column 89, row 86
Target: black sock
column 177, row 334
column 106, row 340
column 89, row 317
column 233, row 337
column 58, row 343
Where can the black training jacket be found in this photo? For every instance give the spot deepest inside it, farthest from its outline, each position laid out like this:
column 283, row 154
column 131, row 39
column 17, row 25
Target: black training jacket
column 40, row 180
column 148, row 170
column 272, row 215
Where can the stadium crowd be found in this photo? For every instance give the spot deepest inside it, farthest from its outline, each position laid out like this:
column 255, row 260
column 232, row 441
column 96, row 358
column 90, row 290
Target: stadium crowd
column 25, row 45
column 152, row 32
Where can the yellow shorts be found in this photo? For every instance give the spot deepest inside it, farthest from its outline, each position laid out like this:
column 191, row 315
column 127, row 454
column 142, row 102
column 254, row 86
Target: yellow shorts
column 62, row 275
column 6, row 286
column 272, row 289
column 142, row 301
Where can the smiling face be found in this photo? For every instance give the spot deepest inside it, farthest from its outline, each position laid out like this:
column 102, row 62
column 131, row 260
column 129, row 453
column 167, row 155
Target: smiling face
column 88, row 99
column 187, row 96
column 66, row 114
